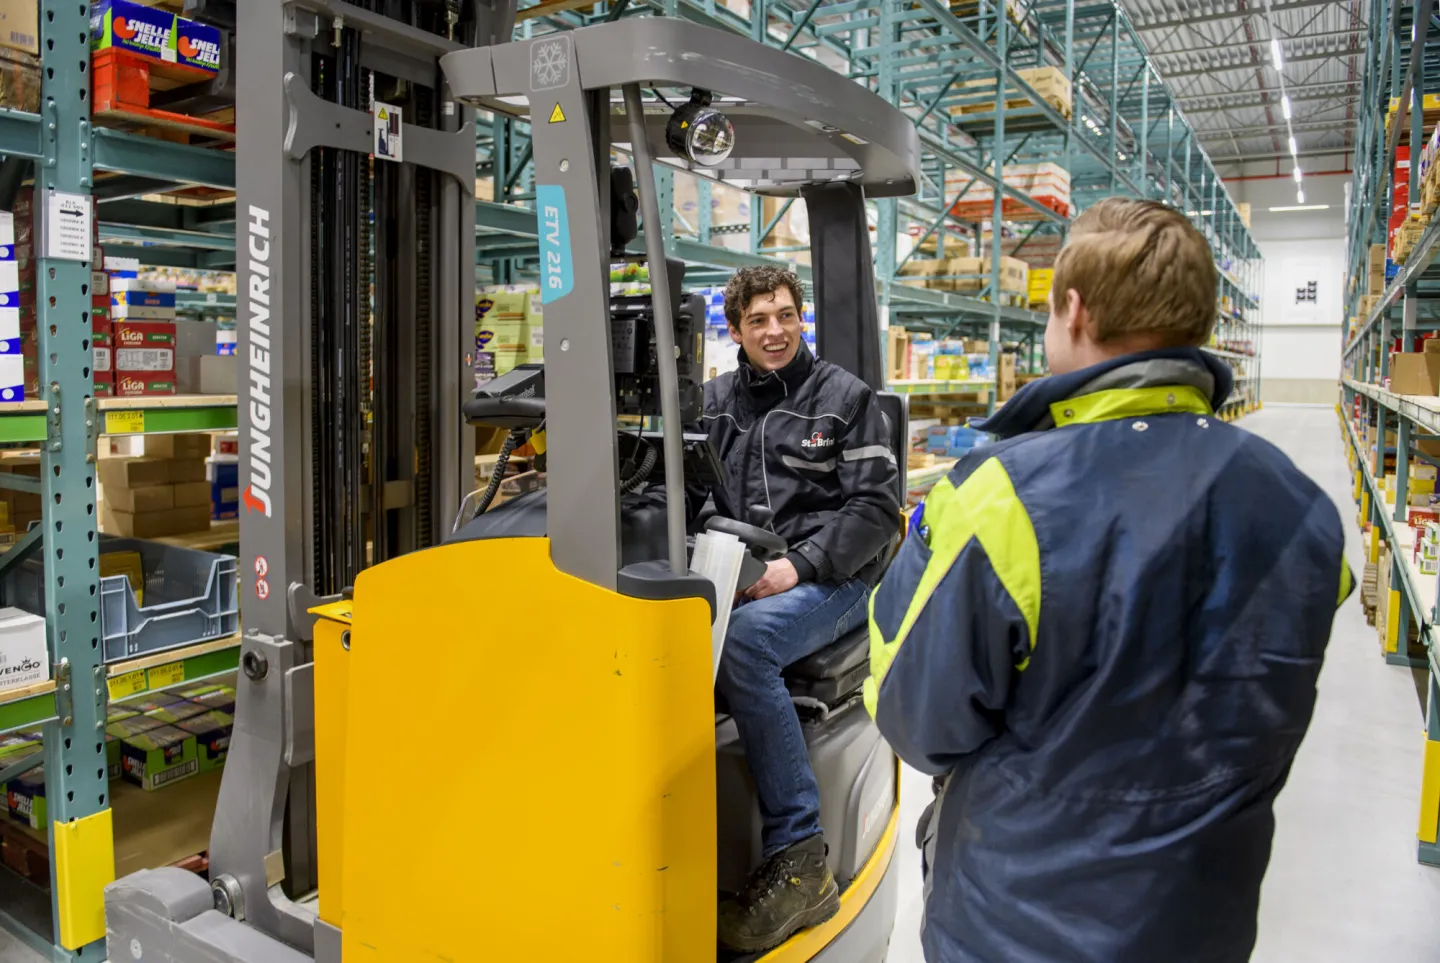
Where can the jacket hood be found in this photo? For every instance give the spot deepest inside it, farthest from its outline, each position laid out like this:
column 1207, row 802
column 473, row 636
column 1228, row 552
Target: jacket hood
column 1029, row 408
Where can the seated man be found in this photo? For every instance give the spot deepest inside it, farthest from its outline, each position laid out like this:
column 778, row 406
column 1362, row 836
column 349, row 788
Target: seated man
column 807, row 441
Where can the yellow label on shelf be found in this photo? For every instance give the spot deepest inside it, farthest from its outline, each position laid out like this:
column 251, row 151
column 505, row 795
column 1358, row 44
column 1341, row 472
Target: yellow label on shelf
column 172, row 673
column 126, row 685
column 124, row 422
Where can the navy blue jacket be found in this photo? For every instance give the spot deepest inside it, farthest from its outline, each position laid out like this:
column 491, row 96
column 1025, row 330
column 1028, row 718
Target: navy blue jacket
column 1103, row 636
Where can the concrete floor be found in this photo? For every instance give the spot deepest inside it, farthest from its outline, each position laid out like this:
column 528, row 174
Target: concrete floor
column 1343, row 884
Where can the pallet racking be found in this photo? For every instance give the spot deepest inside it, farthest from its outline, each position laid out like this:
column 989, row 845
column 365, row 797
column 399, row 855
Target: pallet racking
column 1399, row 71
column 955, row 67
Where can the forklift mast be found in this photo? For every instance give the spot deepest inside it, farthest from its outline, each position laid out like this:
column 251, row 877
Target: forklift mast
column 356, row 282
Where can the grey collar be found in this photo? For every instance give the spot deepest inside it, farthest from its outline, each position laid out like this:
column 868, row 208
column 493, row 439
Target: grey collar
column 1143, row 374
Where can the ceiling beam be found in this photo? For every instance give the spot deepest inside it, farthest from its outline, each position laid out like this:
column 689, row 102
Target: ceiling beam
column 1248, row 44
column 1256, row 14
column 1264, row 63
column 1256, row 97
column 1219, row 159
column 1263, row 129
column 1257, row 102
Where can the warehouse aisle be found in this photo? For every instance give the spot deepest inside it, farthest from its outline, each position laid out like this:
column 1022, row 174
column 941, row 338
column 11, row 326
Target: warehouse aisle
column 1343, row 884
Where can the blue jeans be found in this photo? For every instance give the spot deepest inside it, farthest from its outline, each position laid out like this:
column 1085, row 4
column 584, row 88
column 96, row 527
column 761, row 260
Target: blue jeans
column 763, row 638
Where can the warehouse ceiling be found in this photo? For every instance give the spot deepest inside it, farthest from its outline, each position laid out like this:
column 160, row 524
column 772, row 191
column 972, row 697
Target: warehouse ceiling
column 1217, row 60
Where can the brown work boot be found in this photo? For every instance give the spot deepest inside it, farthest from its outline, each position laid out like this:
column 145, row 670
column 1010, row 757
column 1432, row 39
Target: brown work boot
column 790, row 891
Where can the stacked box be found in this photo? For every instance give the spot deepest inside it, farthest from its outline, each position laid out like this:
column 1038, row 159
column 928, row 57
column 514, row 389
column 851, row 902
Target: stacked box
column 25, row 798
column 152, row 497
column 212, row 732
column 158, row 757
column 12, row 366
column 142, row 316
column 223, row 477
column 29, row 312
column 1046, row 182
column 1399, row 198
column 1039, row 288
column 158, row 35
column 509, row 330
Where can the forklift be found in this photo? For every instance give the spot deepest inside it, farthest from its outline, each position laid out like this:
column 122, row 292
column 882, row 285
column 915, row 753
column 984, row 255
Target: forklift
column 503, row 743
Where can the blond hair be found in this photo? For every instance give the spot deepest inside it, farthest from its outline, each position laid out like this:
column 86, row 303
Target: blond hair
column 1140, row 269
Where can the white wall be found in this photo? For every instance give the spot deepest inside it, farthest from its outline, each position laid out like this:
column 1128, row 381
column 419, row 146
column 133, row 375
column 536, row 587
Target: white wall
column 1299, row 343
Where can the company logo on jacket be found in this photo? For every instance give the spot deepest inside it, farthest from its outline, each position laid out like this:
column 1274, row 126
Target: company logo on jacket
column 817, row 440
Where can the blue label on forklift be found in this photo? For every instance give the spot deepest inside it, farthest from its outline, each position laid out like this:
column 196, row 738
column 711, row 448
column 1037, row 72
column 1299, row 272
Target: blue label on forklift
column 556, row 277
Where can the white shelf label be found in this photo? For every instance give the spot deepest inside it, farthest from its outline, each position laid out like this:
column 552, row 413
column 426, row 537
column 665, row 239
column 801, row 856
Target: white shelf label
column 389, row 132
column 68, row 229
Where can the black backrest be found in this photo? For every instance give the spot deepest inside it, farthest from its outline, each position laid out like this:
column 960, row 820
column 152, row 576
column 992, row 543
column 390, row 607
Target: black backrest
column 896, row 409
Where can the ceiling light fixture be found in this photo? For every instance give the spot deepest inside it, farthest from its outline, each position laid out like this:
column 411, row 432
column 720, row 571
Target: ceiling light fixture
column 1285, row 105
column 1275, row 53
column 1293, row 151
column 1297, row 173
column 1299, row 197
column 1299, row 207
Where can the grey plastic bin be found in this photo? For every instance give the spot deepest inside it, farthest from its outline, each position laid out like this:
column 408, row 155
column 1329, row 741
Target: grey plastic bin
column 190, row 596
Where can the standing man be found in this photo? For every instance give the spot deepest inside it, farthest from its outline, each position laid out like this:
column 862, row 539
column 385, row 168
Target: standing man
column 1103, row 634
column 806, row 453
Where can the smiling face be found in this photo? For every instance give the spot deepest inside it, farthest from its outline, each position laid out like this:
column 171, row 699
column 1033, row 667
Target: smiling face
column 769, row 330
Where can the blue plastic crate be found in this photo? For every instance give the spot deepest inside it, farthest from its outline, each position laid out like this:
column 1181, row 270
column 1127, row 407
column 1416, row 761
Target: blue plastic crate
column 190, row 596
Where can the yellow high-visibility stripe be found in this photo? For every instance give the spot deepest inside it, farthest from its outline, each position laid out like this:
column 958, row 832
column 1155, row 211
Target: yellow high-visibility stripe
column 1347, row 582
column 1129, row 403
column 985, row 508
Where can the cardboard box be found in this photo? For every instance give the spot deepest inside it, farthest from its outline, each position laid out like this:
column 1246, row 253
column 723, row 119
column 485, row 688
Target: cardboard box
column 25, row 798
column 133, row 472
column 20, row 25
column 219, row 698
column 133, row 385
column 176, row 521
column 24, row 658
column 207, row 374
column 1415, row 374
column 185, row 470
column 141, row 305
column 154, row 33
column 188, row 445
column 159, row 757
column 151, row 498
column 192, row 494
column 176, row 711
column 212, row 731
column 126, row 724
column 153, row 344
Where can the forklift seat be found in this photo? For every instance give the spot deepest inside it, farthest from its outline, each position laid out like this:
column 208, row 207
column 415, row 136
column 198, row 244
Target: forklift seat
column 836, row 672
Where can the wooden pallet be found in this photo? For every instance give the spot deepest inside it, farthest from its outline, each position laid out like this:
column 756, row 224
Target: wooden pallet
column 1012, row 105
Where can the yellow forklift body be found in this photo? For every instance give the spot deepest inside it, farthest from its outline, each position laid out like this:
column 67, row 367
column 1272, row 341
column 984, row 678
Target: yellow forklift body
column 457, row 827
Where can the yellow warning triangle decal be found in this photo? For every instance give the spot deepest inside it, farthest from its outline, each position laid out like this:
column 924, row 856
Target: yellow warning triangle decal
column 557, row 116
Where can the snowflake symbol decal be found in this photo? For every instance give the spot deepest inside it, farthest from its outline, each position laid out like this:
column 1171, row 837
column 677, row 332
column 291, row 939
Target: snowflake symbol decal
column 549, row 65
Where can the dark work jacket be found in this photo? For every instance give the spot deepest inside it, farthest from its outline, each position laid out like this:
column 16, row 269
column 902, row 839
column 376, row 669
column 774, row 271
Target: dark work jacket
column 810, row 443
column 1103, row 635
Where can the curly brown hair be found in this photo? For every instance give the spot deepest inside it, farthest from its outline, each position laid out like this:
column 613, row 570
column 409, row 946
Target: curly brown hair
column 751, row 282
